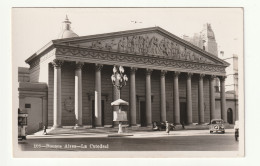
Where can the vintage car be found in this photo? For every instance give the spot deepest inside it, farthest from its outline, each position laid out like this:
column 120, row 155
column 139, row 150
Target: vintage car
column 217, row 126
column 236, row 127
column 161, row 126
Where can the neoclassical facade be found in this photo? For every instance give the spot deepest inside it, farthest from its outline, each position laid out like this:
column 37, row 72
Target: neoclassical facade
column 169, row 79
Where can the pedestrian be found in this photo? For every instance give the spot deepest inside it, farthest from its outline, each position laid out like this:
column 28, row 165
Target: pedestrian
column 167, row 127
column 44, row 130
column 182, row 124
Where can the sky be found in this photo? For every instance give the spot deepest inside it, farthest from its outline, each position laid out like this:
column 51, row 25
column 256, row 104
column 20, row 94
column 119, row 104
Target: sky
column 32, row 28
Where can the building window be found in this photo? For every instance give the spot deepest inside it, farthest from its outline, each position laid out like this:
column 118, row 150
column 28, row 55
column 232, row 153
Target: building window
column 27, row 105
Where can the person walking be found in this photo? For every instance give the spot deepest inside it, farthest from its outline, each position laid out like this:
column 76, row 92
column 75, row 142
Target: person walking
column 167, row 127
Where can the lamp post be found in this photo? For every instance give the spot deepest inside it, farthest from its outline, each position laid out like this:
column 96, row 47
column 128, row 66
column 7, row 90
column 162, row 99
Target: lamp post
column 119, row 80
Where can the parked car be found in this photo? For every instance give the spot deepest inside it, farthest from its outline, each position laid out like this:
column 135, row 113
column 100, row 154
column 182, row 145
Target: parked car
column 217, row 125
column 236, row 128
column 161, row 126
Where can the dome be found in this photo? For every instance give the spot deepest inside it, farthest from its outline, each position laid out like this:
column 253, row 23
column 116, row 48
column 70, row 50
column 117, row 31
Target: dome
column 67, row 34
column 66, row 31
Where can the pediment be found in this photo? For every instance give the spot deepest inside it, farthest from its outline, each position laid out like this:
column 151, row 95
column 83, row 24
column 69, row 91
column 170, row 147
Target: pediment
column 154, row 42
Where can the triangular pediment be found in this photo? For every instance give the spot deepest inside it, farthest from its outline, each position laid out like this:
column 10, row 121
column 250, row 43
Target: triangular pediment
column 145, row 42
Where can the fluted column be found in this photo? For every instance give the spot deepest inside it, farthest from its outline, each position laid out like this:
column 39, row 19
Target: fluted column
column 57, row 114
column 176, row 98
column 148, row 98
column 132, row 96
column 78, row 94
column 163, row 96
column 212, row 97
column 223, row 99
column 201, row 99
column 189, row 99
column 98, row 118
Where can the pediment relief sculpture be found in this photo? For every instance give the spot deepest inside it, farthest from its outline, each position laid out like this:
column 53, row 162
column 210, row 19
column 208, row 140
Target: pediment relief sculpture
column 151, row 44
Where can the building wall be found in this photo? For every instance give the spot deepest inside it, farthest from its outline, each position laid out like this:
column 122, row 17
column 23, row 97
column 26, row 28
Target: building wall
column 232, row 104
column 50, row 94
column 33, row 101
column 35, row 118
column 23, row 74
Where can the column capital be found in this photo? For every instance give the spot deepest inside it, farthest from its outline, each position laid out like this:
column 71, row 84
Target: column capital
column 201, row 76
column 149, row 71
column 212, row 77
column 79, row 65
column 189, row 74
column 98, row 66
column 176, row 74
column 222, row 78
column 57, row 63
column 133, row 69
column 163, row 72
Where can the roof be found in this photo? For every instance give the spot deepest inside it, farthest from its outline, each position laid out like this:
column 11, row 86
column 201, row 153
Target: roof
column 75, row 39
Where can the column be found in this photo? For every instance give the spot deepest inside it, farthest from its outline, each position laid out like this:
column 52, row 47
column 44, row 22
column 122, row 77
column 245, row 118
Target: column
column 148, row 98
column 212, row 97
column 176, row 98
column 98, row 115
column 163, row 96
column 189, row 98
column 201, row 99
column 78, row 94
column 223, row 99
column 57, row 114
column 132, row 96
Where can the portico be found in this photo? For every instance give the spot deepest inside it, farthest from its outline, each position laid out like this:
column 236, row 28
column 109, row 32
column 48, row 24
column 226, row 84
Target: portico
column 154, row 59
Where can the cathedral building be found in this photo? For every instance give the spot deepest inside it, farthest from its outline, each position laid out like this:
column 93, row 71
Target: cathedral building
column 69, row 80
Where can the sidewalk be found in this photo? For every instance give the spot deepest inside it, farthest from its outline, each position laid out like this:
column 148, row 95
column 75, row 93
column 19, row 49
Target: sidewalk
column 105, row 132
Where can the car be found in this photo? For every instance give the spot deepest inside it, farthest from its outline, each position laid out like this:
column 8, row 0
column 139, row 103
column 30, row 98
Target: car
column 217, row 126
column 161, row 126
column 236, row 128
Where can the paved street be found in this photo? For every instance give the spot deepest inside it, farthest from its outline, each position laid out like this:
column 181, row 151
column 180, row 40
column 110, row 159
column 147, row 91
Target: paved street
column 192, row 140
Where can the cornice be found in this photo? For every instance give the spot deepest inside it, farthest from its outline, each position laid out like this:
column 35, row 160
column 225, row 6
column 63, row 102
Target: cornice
column 45, row 48
column 96, row 56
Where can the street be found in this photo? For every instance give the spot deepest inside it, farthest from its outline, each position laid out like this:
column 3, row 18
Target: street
column 192, row 140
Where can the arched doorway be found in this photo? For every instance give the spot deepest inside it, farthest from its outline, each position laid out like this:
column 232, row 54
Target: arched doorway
column 230, row 116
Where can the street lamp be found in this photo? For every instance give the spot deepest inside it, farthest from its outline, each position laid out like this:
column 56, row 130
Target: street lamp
column 119, row 80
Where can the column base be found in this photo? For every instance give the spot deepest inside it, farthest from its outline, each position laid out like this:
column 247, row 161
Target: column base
column 78, row 127
column 149, row 126
column 56, row 126
column 108, row 126
column 179, row 127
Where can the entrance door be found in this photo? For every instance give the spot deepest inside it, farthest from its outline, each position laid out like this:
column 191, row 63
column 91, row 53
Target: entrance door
column 142, row 113
column 183, row 113
column 102, row 112
column 230, row 116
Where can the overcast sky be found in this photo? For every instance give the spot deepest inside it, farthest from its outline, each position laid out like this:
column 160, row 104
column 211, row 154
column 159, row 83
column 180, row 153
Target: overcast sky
column 35, row 27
